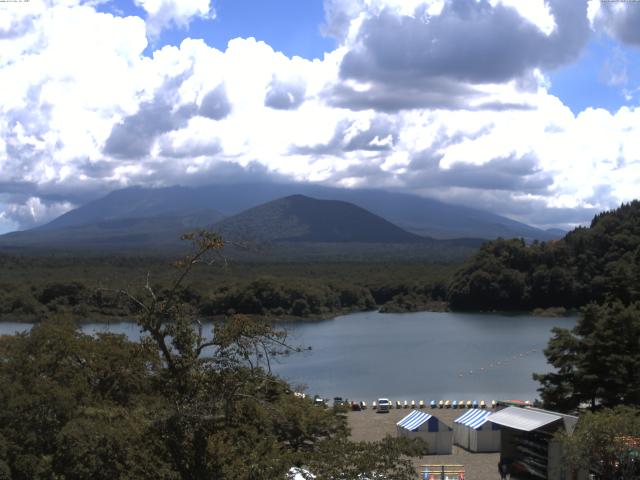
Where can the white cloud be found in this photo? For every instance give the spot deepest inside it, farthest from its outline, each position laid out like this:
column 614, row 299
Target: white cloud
column 166, row 13
column 33, row 212
column 536, row 11
column 618, row 19
column 82, row 111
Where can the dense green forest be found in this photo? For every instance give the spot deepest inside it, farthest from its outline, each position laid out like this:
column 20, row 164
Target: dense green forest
column 594, row 264
column 86, row 287
column 75, row 406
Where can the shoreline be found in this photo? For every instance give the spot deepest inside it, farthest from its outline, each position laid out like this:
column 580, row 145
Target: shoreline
column 435, row 307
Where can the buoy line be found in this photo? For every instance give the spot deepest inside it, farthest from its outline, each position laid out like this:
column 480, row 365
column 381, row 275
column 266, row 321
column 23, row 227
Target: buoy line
column 497, row 363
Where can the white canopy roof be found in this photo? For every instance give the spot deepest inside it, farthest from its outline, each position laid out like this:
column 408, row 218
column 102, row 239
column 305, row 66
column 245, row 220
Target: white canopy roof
column 523, row 418
column 474, row 418
column 413, row 421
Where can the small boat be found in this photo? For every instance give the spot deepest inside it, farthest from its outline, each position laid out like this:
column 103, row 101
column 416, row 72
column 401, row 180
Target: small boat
column 482, row 404
column 447, row 404
column 474, row 404
column 406, row 405
column 434, row 404
column 493, row 404
column 374, row 405
column 398, row 404
column 469, row 404
column 454, row 404
column 413, row 404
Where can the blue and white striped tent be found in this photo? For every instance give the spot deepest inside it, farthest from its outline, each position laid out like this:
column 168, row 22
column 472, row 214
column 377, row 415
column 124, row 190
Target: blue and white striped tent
column 474, row 431
column 423, row 425
column 413, row 421
column 473, row 418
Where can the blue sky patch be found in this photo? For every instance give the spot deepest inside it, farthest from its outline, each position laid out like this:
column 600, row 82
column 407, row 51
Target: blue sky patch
column 289, row 26
column 605, row 77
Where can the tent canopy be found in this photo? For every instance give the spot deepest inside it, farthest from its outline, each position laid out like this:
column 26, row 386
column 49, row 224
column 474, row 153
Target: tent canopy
column 523, row 418
column 413, row 421
column 473, row 418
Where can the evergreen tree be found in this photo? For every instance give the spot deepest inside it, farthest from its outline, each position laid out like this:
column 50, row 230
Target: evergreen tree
column 598, row 362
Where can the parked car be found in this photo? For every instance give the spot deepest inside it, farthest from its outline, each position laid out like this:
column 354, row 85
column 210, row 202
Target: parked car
column 384, row 405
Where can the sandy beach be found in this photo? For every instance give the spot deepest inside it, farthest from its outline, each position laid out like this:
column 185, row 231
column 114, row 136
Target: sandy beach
column 368, row 425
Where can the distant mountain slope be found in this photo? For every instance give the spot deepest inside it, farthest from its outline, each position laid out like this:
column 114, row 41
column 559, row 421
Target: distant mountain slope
column 138, row 202
column 296, row 228
column 558, row 232
column 298, row 218
column 160, row 232
column 419, row 215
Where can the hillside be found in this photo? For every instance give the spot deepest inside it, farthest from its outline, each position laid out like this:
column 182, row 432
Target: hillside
column 422, row 216
column 292, row 229
column 303, row 219
column 591, row 264
column 156, row 233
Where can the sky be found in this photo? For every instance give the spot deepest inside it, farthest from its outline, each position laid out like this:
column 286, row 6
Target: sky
column 527, row 109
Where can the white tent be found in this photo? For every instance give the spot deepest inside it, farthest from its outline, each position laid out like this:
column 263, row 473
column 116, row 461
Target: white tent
column 474, row 431
column 422, row 425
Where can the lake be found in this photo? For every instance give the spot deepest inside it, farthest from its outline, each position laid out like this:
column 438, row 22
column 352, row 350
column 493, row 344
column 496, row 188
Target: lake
column 423, row 355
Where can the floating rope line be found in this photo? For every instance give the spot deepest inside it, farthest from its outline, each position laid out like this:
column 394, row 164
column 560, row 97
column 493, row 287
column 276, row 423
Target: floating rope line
column 498, row 363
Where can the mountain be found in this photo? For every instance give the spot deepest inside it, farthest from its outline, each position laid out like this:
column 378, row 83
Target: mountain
column 557, row 232
column 298, row 218
column 153, row 233
column 422, row 216
column 295, row 228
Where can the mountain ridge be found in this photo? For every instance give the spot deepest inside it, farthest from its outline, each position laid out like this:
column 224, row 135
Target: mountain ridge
column 293, row 228
column 419, row 215
column 298, row 218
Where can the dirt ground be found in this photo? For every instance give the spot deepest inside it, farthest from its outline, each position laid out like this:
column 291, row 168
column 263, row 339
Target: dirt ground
column 368, row 425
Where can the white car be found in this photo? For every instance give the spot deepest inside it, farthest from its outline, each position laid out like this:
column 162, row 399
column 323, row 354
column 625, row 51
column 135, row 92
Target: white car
column 384, row 405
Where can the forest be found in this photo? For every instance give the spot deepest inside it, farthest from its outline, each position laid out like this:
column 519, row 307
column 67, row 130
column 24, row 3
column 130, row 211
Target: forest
column 85, row 287
column 590, row 264
column 179, row 404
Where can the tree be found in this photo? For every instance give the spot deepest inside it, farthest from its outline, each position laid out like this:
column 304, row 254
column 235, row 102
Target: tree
column 179, row 404
column 598, row 362
column 227, row 415
column 596, row 264
column 607, row 443
column 54, row 376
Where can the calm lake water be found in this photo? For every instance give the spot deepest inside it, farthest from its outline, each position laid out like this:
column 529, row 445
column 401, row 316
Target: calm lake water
column 409, row 356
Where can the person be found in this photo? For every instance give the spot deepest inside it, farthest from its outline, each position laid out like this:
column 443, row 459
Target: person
column 503, row 468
